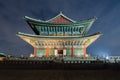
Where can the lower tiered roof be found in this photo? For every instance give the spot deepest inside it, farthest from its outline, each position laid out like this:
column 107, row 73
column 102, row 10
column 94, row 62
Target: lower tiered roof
column 37, row 40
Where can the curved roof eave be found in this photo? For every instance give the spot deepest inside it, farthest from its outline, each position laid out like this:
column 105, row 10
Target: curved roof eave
column 32, row 19
column 38, row 36
column 40, row 22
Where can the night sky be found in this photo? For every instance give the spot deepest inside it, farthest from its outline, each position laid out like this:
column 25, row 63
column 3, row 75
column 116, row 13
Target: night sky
column 106, row 11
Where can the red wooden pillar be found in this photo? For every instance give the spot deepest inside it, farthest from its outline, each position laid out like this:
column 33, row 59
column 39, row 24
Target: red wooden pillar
column 84, row 51
column 72, row 51
column 47, row 51
column 35, row 50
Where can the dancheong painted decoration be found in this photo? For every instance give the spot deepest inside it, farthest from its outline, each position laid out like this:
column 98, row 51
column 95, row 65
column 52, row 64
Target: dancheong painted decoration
column 59, row 36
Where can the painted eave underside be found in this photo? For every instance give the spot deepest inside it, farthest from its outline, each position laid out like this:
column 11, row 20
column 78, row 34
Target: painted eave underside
column 32, row 39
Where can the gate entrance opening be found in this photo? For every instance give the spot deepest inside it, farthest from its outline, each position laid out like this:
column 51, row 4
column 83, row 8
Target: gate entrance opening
column 60, row 53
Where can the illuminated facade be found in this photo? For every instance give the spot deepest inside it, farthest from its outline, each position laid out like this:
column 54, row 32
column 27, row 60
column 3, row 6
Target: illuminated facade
column 59, row 36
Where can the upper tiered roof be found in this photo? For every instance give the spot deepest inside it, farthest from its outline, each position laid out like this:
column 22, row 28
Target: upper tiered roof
column 59, row 21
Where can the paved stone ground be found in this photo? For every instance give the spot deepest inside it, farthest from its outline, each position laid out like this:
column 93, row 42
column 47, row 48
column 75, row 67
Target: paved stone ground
column 23, row 74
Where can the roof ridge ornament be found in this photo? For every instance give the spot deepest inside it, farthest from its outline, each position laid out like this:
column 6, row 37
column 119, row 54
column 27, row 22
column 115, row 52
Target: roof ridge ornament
column 61, row 12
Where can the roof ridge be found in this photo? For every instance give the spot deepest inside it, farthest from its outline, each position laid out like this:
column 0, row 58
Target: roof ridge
column 60, row 14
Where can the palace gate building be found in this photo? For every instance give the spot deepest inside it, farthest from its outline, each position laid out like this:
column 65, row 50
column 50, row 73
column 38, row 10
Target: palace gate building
column 59, row 36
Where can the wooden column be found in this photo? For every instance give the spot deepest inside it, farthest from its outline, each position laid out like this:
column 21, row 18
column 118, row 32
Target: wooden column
column 39, row 33
column 84, row 51
column 47, row 51
column 63, row 31
column 55, row 51
column 64, row 51
column 35, row 50
column 72, row 32
column 48, row 33
column 72, row 51
column 55, row 31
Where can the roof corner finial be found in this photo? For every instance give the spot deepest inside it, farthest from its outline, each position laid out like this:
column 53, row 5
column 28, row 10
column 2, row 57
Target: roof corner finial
column 94, row 17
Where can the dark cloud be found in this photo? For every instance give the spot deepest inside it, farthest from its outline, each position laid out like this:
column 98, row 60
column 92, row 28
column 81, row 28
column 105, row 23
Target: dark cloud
column 13, row 11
